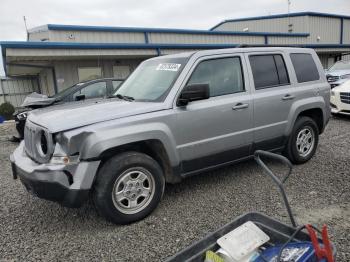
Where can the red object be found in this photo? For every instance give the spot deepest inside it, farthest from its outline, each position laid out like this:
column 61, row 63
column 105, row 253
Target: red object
column 326, row 250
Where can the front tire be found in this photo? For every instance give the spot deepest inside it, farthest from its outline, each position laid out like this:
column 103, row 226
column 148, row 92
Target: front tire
column 128, row 187
column 303, row 140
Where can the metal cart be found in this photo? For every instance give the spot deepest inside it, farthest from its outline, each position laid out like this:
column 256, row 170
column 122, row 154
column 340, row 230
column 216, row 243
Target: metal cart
column 278, row 232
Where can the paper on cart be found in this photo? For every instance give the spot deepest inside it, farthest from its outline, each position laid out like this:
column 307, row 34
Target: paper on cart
column 243, row 241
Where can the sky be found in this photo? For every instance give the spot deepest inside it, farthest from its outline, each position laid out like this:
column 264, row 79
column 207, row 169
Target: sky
column 194, row 14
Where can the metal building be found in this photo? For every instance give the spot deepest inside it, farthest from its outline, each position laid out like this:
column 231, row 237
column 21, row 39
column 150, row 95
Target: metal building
column 60, row 55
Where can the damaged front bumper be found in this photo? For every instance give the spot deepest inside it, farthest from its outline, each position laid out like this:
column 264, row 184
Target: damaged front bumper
column 68, row 185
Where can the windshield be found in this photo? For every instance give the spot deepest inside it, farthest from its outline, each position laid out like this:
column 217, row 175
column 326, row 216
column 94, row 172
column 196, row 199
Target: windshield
column 152, row 79
column 66, row 91
column 340, row 66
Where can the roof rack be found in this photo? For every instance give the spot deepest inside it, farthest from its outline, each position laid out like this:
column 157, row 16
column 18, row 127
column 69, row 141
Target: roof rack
column 267, row 45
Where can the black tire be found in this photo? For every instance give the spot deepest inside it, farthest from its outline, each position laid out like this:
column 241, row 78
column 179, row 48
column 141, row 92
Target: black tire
column 291, row 150
column 112, row 171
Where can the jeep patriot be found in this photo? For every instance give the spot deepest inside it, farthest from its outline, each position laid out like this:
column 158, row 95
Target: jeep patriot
column 175, row 116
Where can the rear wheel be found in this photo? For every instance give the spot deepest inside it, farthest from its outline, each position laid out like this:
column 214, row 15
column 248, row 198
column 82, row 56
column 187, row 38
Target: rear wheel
column 128, row 187
column 303, row 141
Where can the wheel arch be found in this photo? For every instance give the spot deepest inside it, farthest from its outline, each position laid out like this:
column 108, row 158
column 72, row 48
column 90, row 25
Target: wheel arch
column 313, row 108
column 317, row 115
column 153, row 148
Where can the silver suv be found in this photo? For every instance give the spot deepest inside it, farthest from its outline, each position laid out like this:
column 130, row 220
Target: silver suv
column 174, row 117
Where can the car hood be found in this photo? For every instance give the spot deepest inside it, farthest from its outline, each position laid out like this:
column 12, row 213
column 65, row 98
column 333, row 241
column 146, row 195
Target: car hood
column 338, row 72
column 35, row 99
column 345, row 87
column 77, row 114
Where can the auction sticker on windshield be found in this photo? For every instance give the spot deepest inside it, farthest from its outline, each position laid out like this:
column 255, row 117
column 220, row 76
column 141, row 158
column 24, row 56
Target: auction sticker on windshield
column 168, row 67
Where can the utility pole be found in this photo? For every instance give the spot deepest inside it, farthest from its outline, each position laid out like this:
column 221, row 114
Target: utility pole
column 25, row 25
column 290, row 26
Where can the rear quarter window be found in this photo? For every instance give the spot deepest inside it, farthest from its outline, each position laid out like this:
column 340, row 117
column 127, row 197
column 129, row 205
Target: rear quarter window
column 304, row 67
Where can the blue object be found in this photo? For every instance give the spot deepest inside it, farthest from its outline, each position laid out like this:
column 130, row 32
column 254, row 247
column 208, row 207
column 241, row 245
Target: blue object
column 2, row 119
column 162, row 30
column 295, row 251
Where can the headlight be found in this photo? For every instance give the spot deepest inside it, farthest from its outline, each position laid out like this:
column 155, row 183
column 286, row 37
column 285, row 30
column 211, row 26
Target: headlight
column 332, row 93
column 43, row 146
column 22, row 116
column 345, row 76
column 38, row 142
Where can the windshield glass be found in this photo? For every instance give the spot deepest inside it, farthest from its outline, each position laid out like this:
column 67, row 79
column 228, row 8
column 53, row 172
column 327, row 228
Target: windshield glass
column 152, row 79
column 340, row 66
column 66, row 91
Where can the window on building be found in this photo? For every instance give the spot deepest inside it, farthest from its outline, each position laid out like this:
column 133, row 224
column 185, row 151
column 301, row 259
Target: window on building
column 89, row 73
column 94, row 90
column 121, row 71
column 223, row 75
column 304, row 67
column 268, row 71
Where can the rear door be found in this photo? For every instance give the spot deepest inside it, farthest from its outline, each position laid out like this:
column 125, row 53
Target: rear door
column 273, row 97
column 219, row 129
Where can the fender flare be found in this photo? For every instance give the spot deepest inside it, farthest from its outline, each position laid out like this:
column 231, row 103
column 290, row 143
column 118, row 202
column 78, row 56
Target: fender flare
column 302, row 105
column 98, row 142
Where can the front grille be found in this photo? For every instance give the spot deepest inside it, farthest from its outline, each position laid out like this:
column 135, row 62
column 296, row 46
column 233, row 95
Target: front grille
column 30, row 132
column 331, row 78
column 345, row 97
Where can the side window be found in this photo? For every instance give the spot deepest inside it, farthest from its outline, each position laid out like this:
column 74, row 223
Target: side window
column 116, row 84
column 268, row 71
column 92, row 91
column 224, row 76
column 304, row 67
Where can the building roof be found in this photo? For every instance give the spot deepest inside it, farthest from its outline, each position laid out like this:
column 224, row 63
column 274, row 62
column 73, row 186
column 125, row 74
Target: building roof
column 56, row 27
column 67, row 45
column 281, row 16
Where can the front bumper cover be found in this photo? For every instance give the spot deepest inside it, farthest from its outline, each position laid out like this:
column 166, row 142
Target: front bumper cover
column 67, row 185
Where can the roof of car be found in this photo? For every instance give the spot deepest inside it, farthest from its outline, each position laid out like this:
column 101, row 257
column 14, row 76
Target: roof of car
column 235, row 50
column 253, row 49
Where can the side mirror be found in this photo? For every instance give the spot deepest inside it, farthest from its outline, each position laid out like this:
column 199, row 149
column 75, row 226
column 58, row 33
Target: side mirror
column 193, row 92
column 80, row 97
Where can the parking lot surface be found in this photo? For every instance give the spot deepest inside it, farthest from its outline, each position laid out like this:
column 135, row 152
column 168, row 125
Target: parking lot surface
column 33, row 229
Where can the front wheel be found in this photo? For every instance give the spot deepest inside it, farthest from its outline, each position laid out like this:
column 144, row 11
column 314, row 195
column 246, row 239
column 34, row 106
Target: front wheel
column 303, row 140
column 128, row 187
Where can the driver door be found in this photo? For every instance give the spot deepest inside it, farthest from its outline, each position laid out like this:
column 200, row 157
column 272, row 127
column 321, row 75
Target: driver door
column 217, row 130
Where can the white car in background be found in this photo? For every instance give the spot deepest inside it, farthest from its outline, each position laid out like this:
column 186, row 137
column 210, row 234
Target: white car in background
column 340, row 99
column 338, row 73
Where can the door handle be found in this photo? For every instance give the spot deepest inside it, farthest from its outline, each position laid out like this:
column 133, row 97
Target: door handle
column 288, row 97
column 240, row 106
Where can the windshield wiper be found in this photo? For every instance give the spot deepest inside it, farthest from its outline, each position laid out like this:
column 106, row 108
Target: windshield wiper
column 126, row 98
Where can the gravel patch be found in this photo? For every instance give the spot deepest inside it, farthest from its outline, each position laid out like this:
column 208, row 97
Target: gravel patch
column 32, row 229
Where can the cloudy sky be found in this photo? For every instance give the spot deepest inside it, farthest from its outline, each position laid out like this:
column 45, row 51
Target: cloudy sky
column 196, row 14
